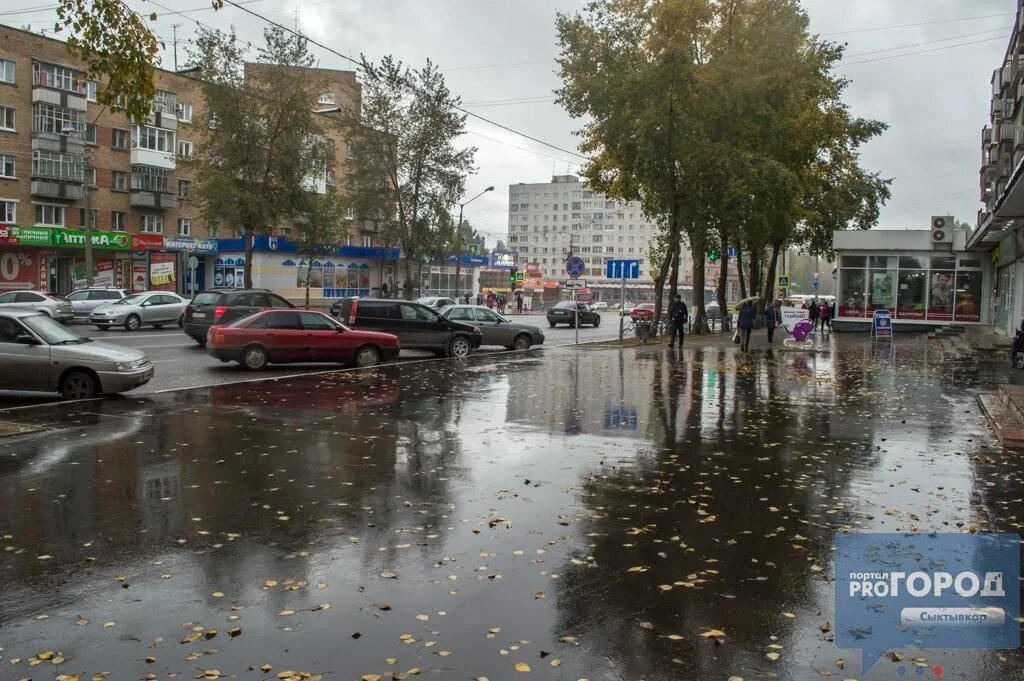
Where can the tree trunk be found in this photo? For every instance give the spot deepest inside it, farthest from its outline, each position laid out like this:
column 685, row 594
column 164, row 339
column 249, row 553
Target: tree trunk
column 407, row 284
column 739, row 270
column 309, row 263
column 250, row 234
column 699, row 314
column 659, row 287
column 723, row 277
column 755, row 274
column 769, row 280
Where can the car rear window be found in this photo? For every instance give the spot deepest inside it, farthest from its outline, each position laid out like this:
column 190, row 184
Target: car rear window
column 376, row 310
column 564, row 304
column 207, row 298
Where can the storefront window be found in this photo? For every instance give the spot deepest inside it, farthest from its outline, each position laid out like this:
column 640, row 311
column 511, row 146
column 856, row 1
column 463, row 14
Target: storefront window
column 910, row 294
column 880, row 293
column 854, row 261
column 851, row 292
column 940, row 296
column 968, row 297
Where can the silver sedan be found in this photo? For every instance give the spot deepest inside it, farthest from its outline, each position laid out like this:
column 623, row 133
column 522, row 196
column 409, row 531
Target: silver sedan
column 38, row 353
column 496, row 330
column 53, row 306
column 156, row 308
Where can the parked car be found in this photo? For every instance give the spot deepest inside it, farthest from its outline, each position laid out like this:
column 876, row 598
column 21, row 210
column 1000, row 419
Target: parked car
column 51, row 305
column 38, row 353
column 155, row 308
column 599, row 305
column 436, row 302
column 226, row 305
column 85, row 300
column 417, row 326
column 496, row 329
column 644, row 312
column 562, row 313
column 287, row 336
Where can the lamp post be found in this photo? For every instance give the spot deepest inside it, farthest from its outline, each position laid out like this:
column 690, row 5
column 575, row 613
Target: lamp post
column 458, row 242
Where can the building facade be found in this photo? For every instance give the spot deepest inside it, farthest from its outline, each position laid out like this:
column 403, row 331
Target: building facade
column 67, row 162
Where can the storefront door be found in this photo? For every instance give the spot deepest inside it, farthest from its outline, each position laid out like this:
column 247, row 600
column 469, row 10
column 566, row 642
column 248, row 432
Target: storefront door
column 1004, row 299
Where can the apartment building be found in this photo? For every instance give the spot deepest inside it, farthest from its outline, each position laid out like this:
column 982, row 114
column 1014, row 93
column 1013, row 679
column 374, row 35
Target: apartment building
column 66, row 160
column 1000, row 224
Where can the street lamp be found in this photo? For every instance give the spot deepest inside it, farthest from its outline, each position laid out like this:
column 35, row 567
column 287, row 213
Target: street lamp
column 458, row 241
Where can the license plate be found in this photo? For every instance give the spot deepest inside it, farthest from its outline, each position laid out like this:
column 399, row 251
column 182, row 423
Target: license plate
column 558, row 312
column 198, row 315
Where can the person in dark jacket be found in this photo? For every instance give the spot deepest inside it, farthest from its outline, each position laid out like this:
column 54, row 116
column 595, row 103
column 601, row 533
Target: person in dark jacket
column 812, row 314
column 772, row 319
column 678, row 316
column 746, row 324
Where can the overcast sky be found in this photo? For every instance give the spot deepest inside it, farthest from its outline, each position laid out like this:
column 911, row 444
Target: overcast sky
column 930, row 81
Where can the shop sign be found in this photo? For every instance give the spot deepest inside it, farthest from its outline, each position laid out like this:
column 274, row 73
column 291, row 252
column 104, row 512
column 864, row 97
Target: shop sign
column 17, row 270
column 142, row 242
column 24, row 236
column 196, row 245
column 73, row 238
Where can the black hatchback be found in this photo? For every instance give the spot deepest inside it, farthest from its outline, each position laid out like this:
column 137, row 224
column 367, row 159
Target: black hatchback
column 416, row 325
column 562, row 313
column 225, row 305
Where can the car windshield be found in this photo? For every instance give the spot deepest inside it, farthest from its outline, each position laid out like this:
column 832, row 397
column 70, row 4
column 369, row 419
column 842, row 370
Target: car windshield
column 131, row 300
column 54, row 333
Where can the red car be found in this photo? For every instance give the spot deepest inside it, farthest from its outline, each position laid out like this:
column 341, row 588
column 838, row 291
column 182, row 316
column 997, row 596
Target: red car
column 287, row 336
column 642, row 312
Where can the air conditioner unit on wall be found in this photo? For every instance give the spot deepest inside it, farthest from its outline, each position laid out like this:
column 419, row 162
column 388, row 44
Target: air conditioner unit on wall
column 942, row 229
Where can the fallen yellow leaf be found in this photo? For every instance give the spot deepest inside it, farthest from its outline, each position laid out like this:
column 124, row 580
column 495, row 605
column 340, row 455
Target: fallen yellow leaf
column 522, row 667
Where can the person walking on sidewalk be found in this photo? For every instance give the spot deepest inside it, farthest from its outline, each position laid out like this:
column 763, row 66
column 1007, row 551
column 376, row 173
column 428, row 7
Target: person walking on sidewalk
column 771, row 320
column 678, row 315
column 825, row 316
column 746, row 324
column 519, row 303
column 813, row 312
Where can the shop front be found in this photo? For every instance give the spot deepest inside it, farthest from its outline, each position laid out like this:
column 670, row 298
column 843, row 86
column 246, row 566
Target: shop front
column 192, row 256
column 23, row 264
column 901, row 272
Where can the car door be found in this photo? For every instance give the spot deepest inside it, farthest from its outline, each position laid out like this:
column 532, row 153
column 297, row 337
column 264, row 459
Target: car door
column 29, row 300
column 494, row 330
column 148, row 309
column 173, row 307
column 284, row 337
column 326, row 342
column 22, row 367
column 80, row 302
column 412, row 326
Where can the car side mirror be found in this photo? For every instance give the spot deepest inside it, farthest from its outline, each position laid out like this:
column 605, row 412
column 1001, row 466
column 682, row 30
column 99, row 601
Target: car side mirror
column 146, row 304
column 26, row 339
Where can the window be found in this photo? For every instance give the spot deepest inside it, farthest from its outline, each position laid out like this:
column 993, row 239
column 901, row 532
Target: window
column 120, row 181
column 315, row 322
column 184, row 189
column 59, row 77
column 58, row 166
column 462, row 314
column 6, row 71
column 165, row 102
column 118, row 221
column 154, row 139
column 6, row 165
column 367, row 241
column 184, row 149
column 149, row 179
column 49, row 215
column 183, row 111
column 92, row 217
column 8, row 211
column 276, row 320
column 184, row 226
column 151, row 224
column 91, row 88
column 6, row 118
column 57, row 120
column 90, row 177
column 119, row 138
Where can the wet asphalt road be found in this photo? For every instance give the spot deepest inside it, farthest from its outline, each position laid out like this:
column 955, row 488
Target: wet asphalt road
column 181, row 363
column 588, row 513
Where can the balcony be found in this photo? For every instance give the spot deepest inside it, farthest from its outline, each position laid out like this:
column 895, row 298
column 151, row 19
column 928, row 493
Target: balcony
column 57, row 189
column 159, row 119
column 58, row 144
column 149, row 157
column 68, row 100
column 146, row 199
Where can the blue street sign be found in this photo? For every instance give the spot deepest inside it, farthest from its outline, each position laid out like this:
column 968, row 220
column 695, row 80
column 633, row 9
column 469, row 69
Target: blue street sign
column 731, row 252
column 574, row 267
column 815, row 283
column 622, row 269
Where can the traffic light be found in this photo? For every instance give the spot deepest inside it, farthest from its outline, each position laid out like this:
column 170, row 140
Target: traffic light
column 512, row 276
column 713, row 255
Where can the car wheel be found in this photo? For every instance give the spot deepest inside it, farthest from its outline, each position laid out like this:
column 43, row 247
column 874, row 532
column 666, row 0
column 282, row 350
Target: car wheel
column 522, row 342
column 255, row 358
column 79, row 385
column 551, row 324
column 459, row 347
column 181, row 322
column 367, row 356
column 133, row 322
column 597, row 322
column 201, row 341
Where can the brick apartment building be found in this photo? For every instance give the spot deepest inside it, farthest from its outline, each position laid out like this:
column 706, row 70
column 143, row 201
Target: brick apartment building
column 65, row 159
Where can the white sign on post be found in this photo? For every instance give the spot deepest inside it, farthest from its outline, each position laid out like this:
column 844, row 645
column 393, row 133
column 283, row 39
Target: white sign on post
column 575, row 283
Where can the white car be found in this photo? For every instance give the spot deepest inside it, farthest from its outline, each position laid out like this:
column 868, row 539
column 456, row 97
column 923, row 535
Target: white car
column 156, row 308
column 599, row 305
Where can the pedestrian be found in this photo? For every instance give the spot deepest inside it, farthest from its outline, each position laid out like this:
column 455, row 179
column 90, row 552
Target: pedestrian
column 825, row 316
column 490, row 301
column 746, row 324
column 812, row 313
column 519, row 303
column 678, row 316
column 771, row 319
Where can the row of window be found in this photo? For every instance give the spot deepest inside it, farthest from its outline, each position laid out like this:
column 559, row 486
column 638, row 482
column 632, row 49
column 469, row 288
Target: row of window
column 72, row 168
column 55, row 215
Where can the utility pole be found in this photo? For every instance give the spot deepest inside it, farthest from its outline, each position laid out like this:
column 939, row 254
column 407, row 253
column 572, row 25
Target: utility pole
column 458, row 242
column 175, row 27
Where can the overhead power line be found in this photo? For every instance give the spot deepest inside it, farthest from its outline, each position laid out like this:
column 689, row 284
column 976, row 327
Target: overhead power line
column 934, row 49
column 922, row 23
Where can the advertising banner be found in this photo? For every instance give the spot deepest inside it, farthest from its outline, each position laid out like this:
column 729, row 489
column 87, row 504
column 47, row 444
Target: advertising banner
column 881, row 323
column 138, row 276
column 791, row 316
column 503, row 260
column 162, row 268
column 102, row 273
column 18, row 271
column 142, row 242
column 75, row 238
column 24, row 236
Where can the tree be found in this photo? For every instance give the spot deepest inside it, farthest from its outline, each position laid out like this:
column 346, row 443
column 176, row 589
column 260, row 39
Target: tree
column 320, row 227
column 119, row 49
column 265, row 145
column 406, row 168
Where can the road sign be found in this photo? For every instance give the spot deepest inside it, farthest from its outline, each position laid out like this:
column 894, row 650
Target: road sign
column 193, row 262
column 575, row 283
column 731, row 252
column 815, row 283
column 784, row 281
column 574, row 267
column 622, row 269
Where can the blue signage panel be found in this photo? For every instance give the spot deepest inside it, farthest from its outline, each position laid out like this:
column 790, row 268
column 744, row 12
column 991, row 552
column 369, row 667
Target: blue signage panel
column 622, row 269
column 731, row 252
column 503, row 260
column 574, row 267
column 882, row 323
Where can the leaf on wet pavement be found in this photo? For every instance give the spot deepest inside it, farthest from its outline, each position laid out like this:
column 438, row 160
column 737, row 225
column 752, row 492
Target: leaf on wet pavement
column 522, row 667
